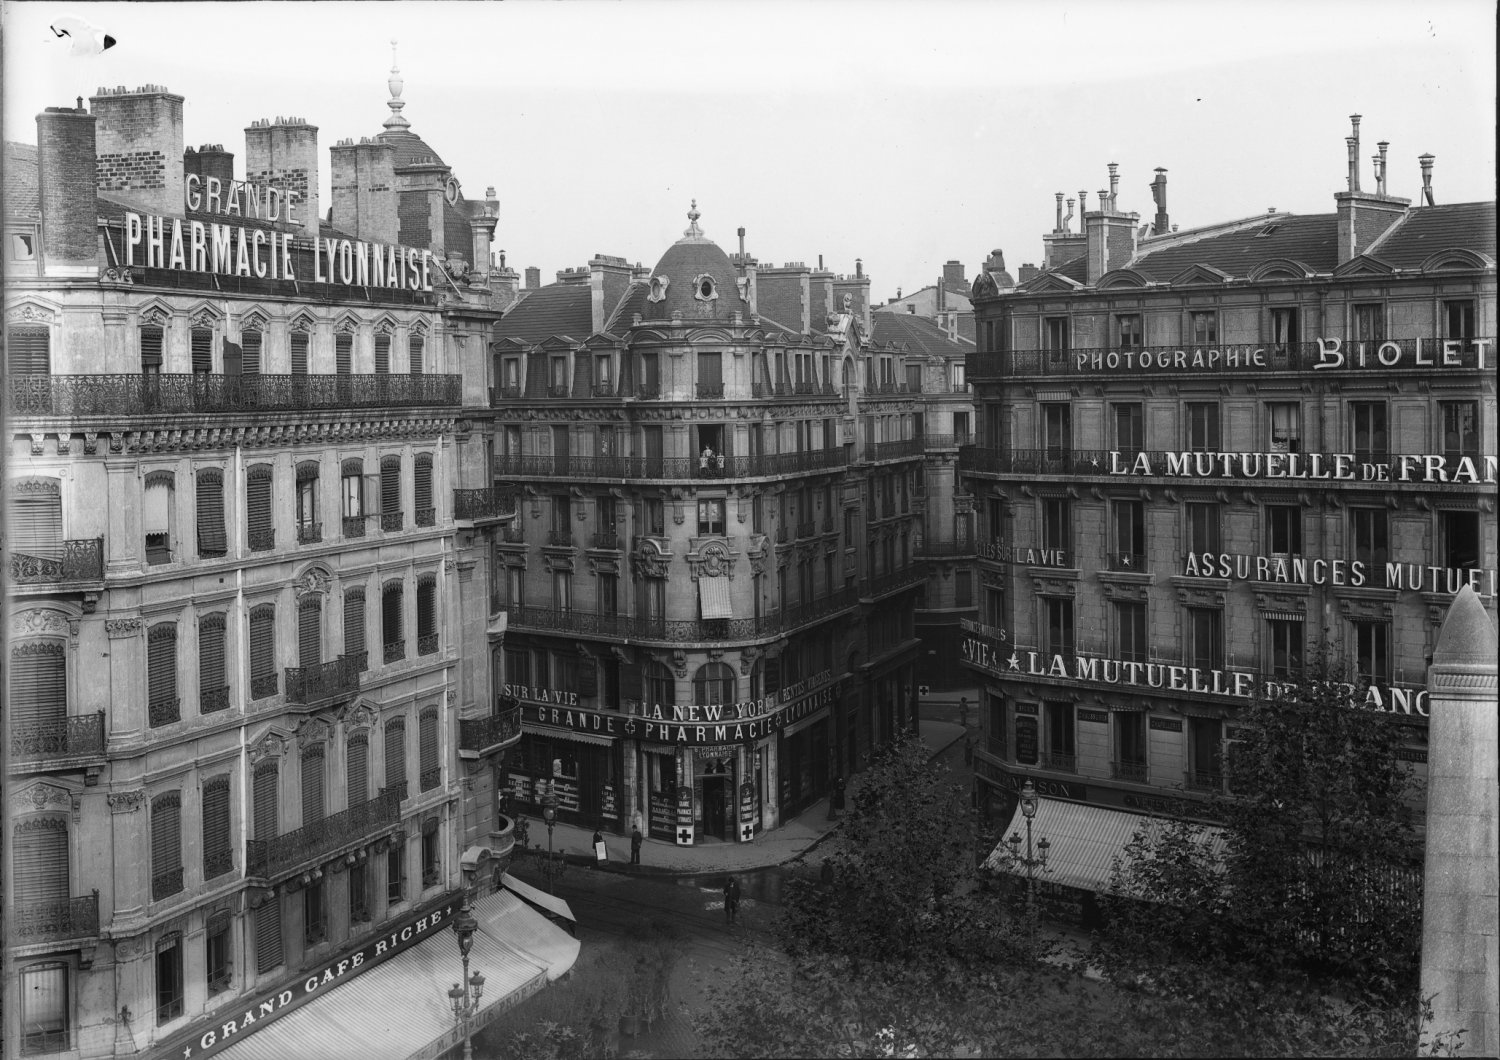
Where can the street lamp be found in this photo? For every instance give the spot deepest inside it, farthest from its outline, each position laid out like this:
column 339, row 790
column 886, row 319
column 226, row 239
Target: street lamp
column 549, row 815
column 1032, row 861
column 465, row 998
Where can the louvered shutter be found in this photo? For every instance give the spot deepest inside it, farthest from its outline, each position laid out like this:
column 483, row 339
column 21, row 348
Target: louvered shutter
column 39, row 860
column 38, row 684
column 428, row 750
column 203, row 350
column 772, row 676
column 343, row 354
column 28, row 351
column 261, row 530
column 312, row 785
column 390, row 614
column 166, row 844
column 36, row 524
column 422, row 489
column 426, row 606
column 250, row 345
column 263, row 651
column 357, row 768
column 268, row 935
column 395, row 753
column 161, row 672
column 212, row 540
column 211, row 663
column 416, row 346
column 382, row 354
column 151, row 345
column 354, row 623
column 390, row 484
column 267, row 817
column 216, row 828
column 299, row 353
column 310, row 630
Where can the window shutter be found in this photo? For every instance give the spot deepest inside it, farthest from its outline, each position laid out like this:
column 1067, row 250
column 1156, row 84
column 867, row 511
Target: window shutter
column 268, row 935
column 216, row 828
column 426, row 606
column 423, row 484
column 161, row 671
column 261, row 530
column 212, row 683
column 390, row 484
column 395, row 753
column 212, row 540
column 382, row 354
column 390, row 615
column 416, row 346
column 267, row 817
column 312, row 785
column 299, row 353
column 428, row 739
column 36, row 525
column 29, row 351
column 310, row 630
column 38, row 684
column 354, row 622
column 357, row 768
column 203, row 349
column 166, row 836
column 343, row 354
column 151, row 344
column 250, row 346
column 263, row 650
column 39, row 860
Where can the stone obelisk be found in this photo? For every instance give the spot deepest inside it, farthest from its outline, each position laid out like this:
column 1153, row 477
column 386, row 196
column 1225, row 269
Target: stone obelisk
column 1460, row 892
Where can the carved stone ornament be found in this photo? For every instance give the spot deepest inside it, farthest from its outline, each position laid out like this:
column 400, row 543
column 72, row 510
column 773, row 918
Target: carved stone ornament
column 346, row 326
column 357, row 716
column 311, row 732
column 705, row 288
column 41, row 796
column 205, row 317
column 90, row 443
column 131, row 948
column 125, row 801
column 29, row 313
column 38, row 623
column 712, row 559
column 313, row 580
column 118, row 628
column 156, row 316
column 271, row 745
column 658, row 288
column 38, row 443
column 649, row 561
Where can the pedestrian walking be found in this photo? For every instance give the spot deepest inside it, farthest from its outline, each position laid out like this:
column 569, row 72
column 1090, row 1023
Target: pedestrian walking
column 838, row 794
column 963, row 711
column 731, row 899
column 635, row 845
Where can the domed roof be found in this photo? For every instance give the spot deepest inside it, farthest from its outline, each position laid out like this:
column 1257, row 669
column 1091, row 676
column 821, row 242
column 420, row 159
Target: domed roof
column 696, row 279
column 411, row 149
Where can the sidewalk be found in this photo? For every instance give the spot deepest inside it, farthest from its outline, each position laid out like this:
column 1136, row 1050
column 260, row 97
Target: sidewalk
column 938, row 725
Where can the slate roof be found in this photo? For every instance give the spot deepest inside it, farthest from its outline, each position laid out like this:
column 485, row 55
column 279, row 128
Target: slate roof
column 22, row 195
column 1311, row 239
column 918, row 333
column 410, row 149
column 1464, row 225
column 557, row 309
column 631, row 303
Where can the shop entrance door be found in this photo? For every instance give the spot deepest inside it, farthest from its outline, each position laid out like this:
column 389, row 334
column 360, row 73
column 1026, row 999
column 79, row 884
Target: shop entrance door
column 714, row 822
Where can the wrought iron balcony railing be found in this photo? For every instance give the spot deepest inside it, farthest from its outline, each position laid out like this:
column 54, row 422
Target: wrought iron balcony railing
column 676, row 631
column 1231, row 358
column 909, row 447
column 931, row 547
column 309, row 533
column 426, row 516
column 81, row 560
column 1203, row 780
column 50, row 921
column 429, row 778
column 301, row 847
column 391, row 522
column 261, row 540
column 480, row 504
column 560, row 538
column 710, row 391
column 213, row 699
column 946, row 441
column 887, row 387
column 606, row 539
column 892, row 581
column 264, row 685
column 1130, row 562
column 163, row 710
column 500, row 729
column 217, row 863
column 354, row 526
column 780, row 533
column 336, row 679
column 644, row 467
column 395, row 650
column 513, row 535
column 427, row 644
column 807, row 529
column 137, row 394
column 166, row 883
column 1062, row 763
column 1134, row 772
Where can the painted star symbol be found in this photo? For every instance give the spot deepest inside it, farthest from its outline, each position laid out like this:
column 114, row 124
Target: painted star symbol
column 1095, row 461
column 1014, row 660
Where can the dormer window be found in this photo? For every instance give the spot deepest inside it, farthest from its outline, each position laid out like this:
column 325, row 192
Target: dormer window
column 704, row 289
column 658, row 288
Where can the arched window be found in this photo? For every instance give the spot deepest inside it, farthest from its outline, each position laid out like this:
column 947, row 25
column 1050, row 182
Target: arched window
column 426, row 514
column 260, row 525
column 395, row 754
column 312, row 784
column 658, row 684
column 714, row 684
column 39, row 866
column 218, row 854
column 36, row 522
column 212, row 540
column 38, row 681
column 263, row 677
column 392, row 635
column 428, row 762
column 161, row 673
column 213, row 678
column 156, row 517
column 354, row 625
column 166, row 845
column 357, row 768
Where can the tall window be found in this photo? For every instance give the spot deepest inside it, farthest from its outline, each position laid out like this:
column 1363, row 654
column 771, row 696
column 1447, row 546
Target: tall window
column 711, row 517
column 169, row 979
column 218, row 854
column 562, row 590
column 213, row 674
column 1062, row 748
column 391, row 626
column 359, row 893
column 427, row 635
column 201, row 345
column 1368, row 527
column 1286, row 638
column 1129, row 428
column 425, row 512
column 263, row 677
column 395, row 874
column 260, row 528
column 354, row 625
column 1284, row 529
column 1055, row 336
column 1286, row 330
column 1059, row 626
column 1372, row 650
column 1367, row 431
column 390, row 492
column 161, row 673
column 310, row 630
column 1130, row 631
column 314, row 913
column 1458, row 539
column 1205, row 754
column 655, row 516
column 1369, row 322
column 352, row 496
column 268, row 945
column 382, row 354
column 1202, row 426
column 217, row 966
column 1203, row 521
column 1128, row 327
column 1458, row 319
column 1205, row 638
column 309, row 529
column 609, row 594
column 1057, row 527
column 658, row 685
column 416, row 347
column 1130, row 744
column 212, row 540
column 1286, row 426
column 1057, row 428
column 266, row 797
column 299, row 341
column 714, row 684
column 151, row 349
column 1203, row 324
column 314, row 806
column 1460, row 429
column 963, row 588
column 343, row 353
column 427, row 749
column 395, row 754
column 156, row 516
column 251, row 344
column 357, row 768
column 166, row 845
column 432, row 853
column 45, row 1009
column 1129, row 532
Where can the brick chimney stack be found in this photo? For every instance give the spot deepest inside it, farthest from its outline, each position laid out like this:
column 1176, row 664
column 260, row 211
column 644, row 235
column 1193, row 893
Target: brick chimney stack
column 285, row 153
column 210, row 160
column 65, row 142
column 1061, row 244
column 533, row 277
column 1109, row 234
column 139, row 141
column 363, row 184
column 953, row 274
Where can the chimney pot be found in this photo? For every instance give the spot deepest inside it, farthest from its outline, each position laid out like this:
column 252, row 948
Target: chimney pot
column 1426, row 163
column 1059, row 226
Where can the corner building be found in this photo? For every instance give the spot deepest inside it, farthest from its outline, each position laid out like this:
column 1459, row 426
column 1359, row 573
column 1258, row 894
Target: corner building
column 708, row 593
column 235, row 691
column 1207, row 455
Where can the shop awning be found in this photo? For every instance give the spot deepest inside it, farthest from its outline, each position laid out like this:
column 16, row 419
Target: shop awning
column 713, row 595
column 401, row 1009
column 1084, row 841
column 548, row 903
column 556, row 733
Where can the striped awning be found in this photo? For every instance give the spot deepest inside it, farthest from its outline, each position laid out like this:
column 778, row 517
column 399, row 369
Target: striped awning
column 1084, row 841
column 713, row 595
column 558, row 733
column 547, row 903
column 401, row 1009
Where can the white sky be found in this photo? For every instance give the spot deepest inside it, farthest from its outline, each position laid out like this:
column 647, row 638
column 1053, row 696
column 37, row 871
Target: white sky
column 903, row 132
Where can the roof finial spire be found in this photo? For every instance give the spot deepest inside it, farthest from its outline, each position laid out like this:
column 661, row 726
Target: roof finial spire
column 395, row 84
column 693, row 231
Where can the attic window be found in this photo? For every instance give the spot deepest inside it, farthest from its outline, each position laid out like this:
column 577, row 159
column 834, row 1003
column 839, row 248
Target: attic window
column 1267, row 230
column 22, row 246
column 658, row 288
column 703, row 288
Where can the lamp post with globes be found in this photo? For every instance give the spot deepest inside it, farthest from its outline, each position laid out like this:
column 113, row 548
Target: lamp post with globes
column 465, row 997
column 1034, row 858
column 549, row 815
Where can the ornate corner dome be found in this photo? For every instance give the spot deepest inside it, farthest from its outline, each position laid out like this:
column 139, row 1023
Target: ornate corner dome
column 696, row 280
column 411, row 150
